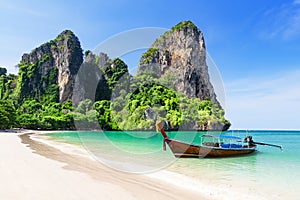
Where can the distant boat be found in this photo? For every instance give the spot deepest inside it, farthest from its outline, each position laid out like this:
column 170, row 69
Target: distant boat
column 211, row 146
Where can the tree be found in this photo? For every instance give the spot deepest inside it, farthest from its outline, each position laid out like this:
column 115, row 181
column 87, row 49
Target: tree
column 4, row 120
column 104, row 115
column 7, row 113
column 84, row 106
column 30, row 106
column 28, row 121
column 117, row 69
column 3, row 71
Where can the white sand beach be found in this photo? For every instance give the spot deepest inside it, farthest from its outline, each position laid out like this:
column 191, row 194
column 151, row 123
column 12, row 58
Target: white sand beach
column 33, row 170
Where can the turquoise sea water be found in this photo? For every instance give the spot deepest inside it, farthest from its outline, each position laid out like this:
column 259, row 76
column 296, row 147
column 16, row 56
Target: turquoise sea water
column 269, row 171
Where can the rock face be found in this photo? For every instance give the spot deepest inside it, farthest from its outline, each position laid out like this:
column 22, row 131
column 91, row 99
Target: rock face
column 99, row 78
column 180, row 55
column 90, row 81
column 53, row 64
column 150, row 114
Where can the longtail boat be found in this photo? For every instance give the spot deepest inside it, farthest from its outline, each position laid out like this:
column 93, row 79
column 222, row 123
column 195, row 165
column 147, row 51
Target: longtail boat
column 217, row 146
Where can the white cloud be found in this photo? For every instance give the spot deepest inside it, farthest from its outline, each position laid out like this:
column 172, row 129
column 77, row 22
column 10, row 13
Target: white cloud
column 293, row 26
column 21, row 7
column 268, row 103
column 282, row 21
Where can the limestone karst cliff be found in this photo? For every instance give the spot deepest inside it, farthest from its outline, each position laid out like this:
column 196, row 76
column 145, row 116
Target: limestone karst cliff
column 51, row 69
column 58, row 88
column 180, row 54
column 178, row 59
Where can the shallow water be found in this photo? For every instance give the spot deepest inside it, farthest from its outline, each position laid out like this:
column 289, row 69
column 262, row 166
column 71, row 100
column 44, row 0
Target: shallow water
column 269, row 171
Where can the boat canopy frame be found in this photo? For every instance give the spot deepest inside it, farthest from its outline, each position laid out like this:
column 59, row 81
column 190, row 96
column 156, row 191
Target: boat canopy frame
column 222, row 137
column 238, row 142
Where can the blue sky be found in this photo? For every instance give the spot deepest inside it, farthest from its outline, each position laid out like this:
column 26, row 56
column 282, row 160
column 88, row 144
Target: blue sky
column 255, row 44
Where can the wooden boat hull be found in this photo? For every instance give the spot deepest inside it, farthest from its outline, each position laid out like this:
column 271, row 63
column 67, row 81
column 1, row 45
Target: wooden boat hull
column 181, row 150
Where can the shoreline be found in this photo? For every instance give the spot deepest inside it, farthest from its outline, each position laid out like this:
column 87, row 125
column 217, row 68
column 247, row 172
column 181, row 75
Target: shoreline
column 31, row 169
column 163, row 184
column 206, row 188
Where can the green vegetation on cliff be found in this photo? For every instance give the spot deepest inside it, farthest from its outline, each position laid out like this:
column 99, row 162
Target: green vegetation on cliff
column 7, row 84
column 148, row 97
column 146, row 101
column 35, row 115
column 116, row 70
column 148, row 55
column 7, row 114
column 125, row 112
column 31, row 84
column 184, row 25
